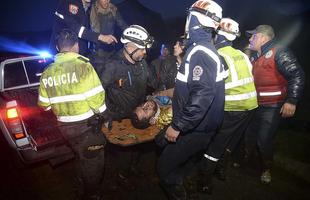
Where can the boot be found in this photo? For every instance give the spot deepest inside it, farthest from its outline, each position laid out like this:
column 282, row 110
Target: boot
column 175, row 192
column 221, row 167
column 266, row 177
column 205, row 182
column 220, row 173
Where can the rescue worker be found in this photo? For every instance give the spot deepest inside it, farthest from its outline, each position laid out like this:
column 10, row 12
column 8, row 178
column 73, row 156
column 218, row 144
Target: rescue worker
column 104, row 17
column 74, row 15
column 279, row 81
column 126, row 77
column 240, row 100
column 198, row 99
column 72, row 89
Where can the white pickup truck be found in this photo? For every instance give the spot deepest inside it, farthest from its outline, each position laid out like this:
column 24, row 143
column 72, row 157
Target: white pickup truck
column 29, row 130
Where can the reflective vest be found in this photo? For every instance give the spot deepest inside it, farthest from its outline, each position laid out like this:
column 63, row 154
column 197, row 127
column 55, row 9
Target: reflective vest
column 71, row 88
column 270, row 84
column 240, row 93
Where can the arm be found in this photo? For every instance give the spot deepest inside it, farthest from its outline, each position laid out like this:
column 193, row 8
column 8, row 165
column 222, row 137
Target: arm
column 107, row 75
column 119, row 21
column 63, row 15
column 94, row 92
column 289, row 67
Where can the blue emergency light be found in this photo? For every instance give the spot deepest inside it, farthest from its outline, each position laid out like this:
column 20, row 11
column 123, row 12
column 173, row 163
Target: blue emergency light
column 45, row 54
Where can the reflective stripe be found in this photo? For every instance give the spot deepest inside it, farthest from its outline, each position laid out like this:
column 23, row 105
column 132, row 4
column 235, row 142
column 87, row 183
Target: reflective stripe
column 270, row 93
column 94, row 91
column 75, row 118
column 81, row 31
column 246, row 58
column 238, row 97
column 76, row 97
column 225, row 73
column 102, row 108
column 239, row 83
column 48, row 108
column 232, row 68
column 59, row 15
column 43, row 99
column 211, row 158
column 184, row 77
column 67, row 98
column 233, row 72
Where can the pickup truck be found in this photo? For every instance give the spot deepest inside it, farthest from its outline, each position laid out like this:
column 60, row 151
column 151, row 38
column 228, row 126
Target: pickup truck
column 30, row 131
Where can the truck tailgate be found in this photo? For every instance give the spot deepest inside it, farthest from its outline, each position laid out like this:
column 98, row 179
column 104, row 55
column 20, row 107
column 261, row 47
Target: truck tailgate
column 40, row 125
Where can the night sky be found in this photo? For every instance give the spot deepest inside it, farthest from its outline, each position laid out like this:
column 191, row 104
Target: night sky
column 290, row 18
column 37, row 15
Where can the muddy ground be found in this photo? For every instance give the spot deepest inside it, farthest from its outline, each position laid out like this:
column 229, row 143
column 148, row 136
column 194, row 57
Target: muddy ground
column 41, row 181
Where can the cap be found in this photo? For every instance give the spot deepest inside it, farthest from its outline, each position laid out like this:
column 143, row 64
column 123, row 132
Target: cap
column 264, row 29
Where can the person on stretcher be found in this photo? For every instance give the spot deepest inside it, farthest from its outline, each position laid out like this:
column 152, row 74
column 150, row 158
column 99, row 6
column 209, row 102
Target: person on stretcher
column 157, row 110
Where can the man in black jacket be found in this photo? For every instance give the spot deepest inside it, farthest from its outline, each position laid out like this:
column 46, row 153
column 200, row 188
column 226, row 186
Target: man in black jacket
column 165, row 68
column 279, row 81
column 74, row 15
column 126, row 77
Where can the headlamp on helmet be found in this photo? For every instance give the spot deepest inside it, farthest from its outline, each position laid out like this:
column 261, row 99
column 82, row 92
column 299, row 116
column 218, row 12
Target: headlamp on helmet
column 207, row 13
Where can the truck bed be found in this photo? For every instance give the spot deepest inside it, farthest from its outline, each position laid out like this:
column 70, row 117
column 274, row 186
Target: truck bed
column 40, row 125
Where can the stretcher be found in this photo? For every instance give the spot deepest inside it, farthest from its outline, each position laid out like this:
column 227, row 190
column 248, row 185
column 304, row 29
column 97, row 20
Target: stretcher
column 124, row 134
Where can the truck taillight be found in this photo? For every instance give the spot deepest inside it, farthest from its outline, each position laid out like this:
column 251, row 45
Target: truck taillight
column 11, row 113
column 14, row 122
column 16, row 128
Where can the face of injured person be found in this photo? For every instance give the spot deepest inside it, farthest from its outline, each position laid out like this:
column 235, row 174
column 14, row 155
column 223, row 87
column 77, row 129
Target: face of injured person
column 146, row 110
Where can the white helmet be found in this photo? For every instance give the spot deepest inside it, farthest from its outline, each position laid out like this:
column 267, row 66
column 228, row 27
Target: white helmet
column 137, row 35
column 229, row 29
column 208, row 13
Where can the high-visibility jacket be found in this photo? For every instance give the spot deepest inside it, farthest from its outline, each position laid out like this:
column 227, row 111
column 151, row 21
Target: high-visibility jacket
column 240, row 92
column 71, row 88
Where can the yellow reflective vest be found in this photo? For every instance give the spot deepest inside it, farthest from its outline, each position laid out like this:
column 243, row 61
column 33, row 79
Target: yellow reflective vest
column 71, row 88
column 240, row 92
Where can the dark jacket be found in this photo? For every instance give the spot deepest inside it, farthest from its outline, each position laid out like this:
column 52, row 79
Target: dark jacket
column 70, row 14
column 166, row 71
column 289, row 67
column 108, row 24
column 125, row 85
column 198, row 100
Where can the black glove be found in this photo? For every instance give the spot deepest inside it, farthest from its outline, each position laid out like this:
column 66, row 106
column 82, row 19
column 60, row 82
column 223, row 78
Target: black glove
column 160, row 138
column 95, row 123
column 107, row 118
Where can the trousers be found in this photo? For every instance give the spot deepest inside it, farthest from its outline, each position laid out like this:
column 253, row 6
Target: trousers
column 261, row 133
column 173, row 162
column 89, row 150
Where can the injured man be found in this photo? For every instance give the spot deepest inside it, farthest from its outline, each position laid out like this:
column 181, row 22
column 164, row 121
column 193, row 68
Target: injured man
column 157, row 110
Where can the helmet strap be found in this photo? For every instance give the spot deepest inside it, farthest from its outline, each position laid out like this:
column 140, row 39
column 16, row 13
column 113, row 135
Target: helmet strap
column 132, row 53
